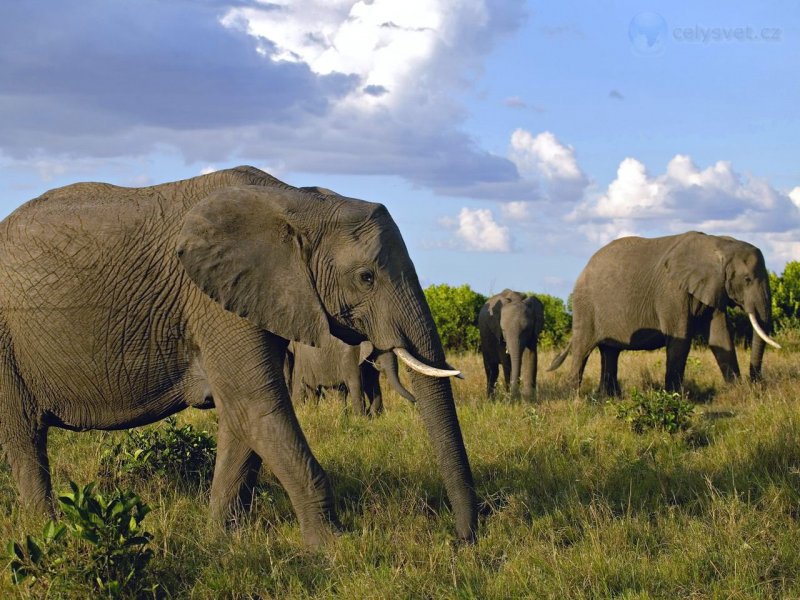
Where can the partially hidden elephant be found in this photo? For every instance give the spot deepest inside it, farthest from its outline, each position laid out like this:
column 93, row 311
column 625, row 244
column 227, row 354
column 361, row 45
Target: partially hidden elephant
column 335, row 364
column 510, row 324
column 121, row 306
column 647, row 293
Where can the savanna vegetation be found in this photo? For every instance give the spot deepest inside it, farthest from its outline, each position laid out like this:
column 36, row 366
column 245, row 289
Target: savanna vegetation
column 653, row 495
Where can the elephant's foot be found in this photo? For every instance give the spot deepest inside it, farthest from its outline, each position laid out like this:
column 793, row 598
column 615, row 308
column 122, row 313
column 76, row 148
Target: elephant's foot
column 321, row 532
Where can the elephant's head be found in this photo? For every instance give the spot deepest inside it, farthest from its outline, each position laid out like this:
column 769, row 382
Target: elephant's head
column 721, row 271
column 306, row 263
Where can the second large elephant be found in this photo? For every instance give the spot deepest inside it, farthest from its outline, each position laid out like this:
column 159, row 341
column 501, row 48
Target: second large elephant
column 334, row 364
column 642, row 294
column 510, row 323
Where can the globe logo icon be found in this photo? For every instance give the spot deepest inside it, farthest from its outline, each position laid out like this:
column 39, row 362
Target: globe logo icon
column 648, row 34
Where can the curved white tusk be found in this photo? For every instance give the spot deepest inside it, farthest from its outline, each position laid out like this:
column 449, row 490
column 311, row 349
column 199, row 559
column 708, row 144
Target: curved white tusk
column 761, row 333
column 421, row 367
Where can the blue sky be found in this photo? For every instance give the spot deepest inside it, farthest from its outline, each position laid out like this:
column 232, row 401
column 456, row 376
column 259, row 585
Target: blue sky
column 509, row 139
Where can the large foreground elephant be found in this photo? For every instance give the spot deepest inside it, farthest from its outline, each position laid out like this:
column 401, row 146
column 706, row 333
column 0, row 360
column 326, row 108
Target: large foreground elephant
column 335, row 364
column 642, row 294
column 510, row 323
column 121, row 306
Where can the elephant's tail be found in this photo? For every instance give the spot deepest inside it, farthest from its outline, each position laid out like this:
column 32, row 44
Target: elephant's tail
column 560, row 358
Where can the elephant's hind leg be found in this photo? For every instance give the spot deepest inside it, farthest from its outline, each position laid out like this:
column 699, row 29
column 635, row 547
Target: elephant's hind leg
column 23, row 438
column 580, row 354
column 235, row 474
column 258, row 413
column 609, row 364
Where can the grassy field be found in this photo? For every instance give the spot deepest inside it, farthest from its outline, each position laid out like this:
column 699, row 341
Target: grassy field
column 573, row 503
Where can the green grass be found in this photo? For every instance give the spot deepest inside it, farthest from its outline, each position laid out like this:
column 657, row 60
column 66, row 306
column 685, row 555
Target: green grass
column 573, row 503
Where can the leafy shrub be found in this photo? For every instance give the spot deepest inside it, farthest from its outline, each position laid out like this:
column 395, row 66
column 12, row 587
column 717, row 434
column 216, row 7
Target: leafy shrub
column 655, row 409
column 99, row 547
column 181, row 453
column 557, row 321
column 455, row 312
column 786, row 297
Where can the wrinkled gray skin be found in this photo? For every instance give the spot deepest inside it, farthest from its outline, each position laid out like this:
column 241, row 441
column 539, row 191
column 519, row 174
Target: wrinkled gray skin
column 334, row 365
column 510, row 323
column 642, row 294
column 121, row 306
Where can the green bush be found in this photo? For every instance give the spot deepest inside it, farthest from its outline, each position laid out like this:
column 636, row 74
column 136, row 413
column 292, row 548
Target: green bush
column 655, row 409
column 100, row 546
column 557, row 321
column 786, row 297
column 180, row 453
column 455, row 312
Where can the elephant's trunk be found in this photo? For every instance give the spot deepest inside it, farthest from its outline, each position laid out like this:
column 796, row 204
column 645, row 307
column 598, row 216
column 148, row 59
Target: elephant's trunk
column 438, row 411
column 387, row 362
column 760, row 314
column 514, row 348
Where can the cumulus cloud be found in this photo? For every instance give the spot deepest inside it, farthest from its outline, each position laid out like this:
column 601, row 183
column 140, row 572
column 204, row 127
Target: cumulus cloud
column 794, row 196
column 476, row 230
column 716, row 199
column 545, row 158
column 355, row 87
column 516, row 210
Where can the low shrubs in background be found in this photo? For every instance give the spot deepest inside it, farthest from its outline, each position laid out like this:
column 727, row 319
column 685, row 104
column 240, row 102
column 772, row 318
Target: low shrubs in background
column 182, row 453
column 655, row 409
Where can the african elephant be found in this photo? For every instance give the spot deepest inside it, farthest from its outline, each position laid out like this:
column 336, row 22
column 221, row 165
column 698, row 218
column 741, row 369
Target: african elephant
column 510, row 323
column 335, row 364
column 642, row 294
column 120, row 306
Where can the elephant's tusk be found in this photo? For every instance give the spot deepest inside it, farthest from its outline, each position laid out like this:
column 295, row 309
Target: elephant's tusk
column 421, row 367
column 761, row 333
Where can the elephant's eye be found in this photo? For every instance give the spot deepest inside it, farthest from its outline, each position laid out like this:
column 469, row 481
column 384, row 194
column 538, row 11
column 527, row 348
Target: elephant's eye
column 367, row 277
column 748, row 280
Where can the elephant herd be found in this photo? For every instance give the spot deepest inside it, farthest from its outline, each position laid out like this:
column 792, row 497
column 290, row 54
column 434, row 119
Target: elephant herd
column 121, row 306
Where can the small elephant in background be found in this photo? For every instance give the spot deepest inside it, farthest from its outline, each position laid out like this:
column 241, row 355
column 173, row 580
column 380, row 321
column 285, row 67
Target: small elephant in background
column 335, row 364
column 510, row 323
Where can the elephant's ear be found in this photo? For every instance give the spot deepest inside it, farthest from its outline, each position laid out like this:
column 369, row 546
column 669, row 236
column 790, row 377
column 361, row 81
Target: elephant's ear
column 242, row 248
column 497, row 301
column 365, row 349
column 698, row 267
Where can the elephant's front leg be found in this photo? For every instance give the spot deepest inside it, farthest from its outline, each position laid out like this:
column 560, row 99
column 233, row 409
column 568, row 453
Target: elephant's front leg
column 492, row 369
column 530, row 366
column 355, row 390
column 721, row 343
column 245, row 372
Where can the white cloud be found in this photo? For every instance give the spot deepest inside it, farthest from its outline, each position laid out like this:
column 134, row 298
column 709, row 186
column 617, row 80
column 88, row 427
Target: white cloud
column 544, row 159
column 543, row 155
column 516, row 210
column 478, row 231
column 632, row 193
column 794, row 196
column 716, row 199
column 339, row 86
column 387, row 44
